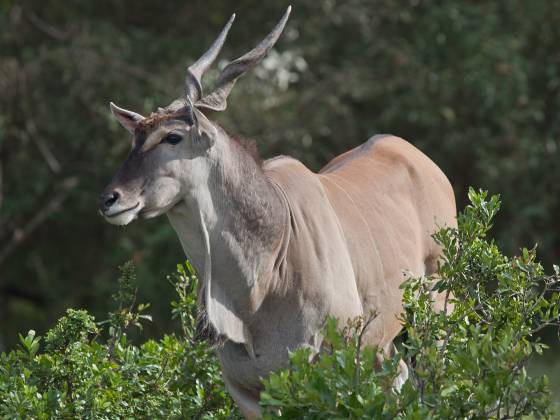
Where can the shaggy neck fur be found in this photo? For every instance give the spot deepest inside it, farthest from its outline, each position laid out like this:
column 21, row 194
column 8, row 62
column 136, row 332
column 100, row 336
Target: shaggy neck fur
column 231, row 226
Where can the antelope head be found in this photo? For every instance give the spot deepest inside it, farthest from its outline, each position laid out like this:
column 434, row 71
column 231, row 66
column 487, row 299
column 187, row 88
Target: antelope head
column 175, row 148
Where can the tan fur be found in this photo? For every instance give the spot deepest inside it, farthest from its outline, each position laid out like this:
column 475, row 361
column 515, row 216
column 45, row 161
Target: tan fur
column 357, row 230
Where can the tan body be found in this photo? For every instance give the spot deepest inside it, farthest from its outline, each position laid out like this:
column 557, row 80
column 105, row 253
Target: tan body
column 356, row 231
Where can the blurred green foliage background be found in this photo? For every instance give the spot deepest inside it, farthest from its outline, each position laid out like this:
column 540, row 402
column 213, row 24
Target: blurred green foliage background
column 474, row 84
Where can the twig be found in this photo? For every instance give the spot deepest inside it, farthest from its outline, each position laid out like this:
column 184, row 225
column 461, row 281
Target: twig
column 47, row 28
column 448, row 330
column 370, row 319
column 43, row 147
column 21, row 234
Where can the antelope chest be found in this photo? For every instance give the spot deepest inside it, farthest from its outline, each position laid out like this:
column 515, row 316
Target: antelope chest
column 281, row 329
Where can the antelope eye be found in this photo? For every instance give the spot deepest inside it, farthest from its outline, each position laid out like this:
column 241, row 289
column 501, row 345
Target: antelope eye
column 172, row 138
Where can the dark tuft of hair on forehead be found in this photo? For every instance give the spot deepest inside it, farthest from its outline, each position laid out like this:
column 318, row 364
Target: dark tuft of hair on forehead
column 155, row 118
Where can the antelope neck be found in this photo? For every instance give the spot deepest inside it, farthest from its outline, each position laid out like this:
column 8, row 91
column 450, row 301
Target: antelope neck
column 233, row 228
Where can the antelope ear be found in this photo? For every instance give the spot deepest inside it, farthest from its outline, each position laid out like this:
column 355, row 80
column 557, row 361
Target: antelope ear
column 128, row 119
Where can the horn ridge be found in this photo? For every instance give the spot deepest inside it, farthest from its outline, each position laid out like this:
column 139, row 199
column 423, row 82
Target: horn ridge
column 217, row 100
column 193, row 81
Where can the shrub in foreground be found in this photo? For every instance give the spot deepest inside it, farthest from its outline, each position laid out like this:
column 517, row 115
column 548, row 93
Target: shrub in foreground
column 469, row 364
column 84, row 369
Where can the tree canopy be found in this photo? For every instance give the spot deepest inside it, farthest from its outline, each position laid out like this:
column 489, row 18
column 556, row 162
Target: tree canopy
column 475, row 85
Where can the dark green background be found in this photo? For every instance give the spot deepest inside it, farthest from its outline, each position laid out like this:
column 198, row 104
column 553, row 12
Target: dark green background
column 474, row 84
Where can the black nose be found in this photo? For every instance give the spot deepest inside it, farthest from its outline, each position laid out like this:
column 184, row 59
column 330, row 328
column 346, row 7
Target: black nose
column 107, row 200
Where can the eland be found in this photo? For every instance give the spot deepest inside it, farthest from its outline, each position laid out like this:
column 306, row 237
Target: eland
column 278, row 247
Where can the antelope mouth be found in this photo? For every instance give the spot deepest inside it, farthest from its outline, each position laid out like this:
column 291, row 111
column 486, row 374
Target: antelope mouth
column 124, row 216
column 118, row 213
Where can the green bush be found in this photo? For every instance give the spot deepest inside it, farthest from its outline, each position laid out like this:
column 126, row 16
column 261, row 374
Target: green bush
column 92, row 370
column 470, row 364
